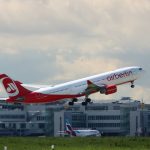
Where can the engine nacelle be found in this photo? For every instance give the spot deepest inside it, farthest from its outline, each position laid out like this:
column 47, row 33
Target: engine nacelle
column 110, row 89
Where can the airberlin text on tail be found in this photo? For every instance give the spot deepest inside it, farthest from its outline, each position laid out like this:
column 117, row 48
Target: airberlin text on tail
column 13, row 88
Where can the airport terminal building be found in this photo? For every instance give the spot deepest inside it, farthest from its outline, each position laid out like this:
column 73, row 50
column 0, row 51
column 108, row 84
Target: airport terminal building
column 125, row 117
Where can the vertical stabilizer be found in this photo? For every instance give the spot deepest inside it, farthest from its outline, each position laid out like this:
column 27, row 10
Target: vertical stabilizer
column 14, row 89
column 69, row 129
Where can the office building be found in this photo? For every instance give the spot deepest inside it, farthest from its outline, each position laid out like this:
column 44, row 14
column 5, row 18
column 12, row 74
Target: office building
column 125, row 117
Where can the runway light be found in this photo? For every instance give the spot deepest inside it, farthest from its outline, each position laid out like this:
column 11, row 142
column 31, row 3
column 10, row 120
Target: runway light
column 52, row 147
column 5, row 147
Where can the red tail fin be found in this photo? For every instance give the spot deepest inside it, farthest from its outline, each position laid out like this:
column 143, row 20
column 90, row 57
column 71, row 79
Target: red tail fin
column 69, row 129
column 13, row 88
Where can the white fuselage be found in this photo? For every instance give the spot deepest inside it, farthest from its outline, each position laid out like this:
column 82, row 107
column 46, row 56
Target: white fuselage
column 117, row 77
column 83, row 133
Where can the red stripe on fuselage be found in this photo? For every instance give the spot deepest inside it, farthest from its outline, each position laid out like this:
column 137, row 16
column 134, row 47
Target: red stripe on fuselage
column 43, row 98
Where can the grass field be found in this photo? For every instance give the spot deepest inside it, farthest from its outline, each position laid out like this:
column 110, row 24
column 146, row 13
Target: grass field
column 93, row 143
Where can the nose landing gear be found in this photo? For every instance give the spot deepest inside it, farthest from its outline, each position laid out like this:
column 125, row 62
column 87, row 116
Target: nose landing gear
column 132, row 84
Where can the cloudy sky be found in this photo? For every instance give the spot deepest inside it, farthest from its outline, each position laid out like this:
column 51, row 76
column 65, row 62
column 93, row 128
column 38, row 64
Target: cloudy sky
column 53, row 41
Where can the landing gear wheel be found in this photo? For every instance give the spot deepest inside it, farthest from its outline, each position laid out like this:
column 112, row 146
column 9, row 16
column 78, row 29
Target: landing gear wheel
column 132, row 86
column 71, row 103
column 84, row 103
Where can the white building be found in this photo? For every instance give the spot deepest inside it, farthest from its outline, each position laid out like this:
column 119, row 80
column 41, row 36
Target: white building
column 122, row 117
column 26, row 120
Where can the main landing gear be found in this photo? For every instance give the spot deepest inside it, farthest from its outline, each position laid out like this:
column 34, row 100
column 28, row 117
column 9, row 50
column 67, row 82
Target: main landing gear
column 73, row 100
column 132, row 84
column 84, row 103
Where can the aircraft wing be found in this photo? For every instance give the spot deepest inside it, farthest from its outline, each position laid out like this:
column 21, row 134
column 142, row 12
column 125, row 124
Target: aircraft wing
column 36, row 86
column 62, row 133
column 93, row 87
column 103, row 88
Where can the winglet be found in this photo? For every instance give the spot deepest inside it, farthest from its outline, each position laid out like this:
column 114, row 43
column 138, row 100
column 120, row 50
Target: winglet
column 89, row 82
column 92, row 85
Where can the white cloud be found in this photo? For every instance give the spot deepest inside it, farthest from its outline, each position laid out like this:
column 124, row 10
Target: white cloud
column 82, row 67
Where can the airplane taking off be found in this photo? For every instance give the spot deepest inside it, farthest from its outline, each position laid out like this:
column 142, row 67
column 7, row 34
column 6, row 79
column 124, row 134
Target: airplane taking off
column 105, row 83
column 83, row 133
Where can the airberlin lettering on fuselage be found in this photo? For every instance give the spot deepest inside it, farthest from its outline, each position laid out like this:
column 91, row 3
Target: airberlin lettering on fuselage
column 119, row 75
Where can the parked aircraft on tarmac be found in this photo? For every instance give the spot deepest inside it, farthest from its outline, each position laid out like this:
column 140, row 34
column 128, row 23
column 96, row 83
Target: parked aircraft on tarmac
column 105, row 83
column 83, row 133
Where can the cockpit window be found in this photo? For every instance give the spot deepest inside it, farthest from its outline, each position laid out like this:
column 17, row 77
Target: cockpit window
column 140, row 68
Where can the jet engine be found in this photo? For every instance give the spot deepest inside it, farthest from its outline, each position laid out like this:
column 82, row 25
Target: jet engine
column 109, row 89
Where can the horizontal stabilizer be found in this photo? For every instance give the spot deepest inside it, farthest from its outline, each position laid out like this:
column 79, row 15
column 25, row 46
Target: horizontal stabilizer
column 36, row 86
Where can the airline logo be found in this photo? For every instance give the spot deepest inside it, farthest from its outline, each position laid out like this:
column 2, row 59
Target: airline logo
column 69, row 130
column 10, row 87
column 119, row 75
